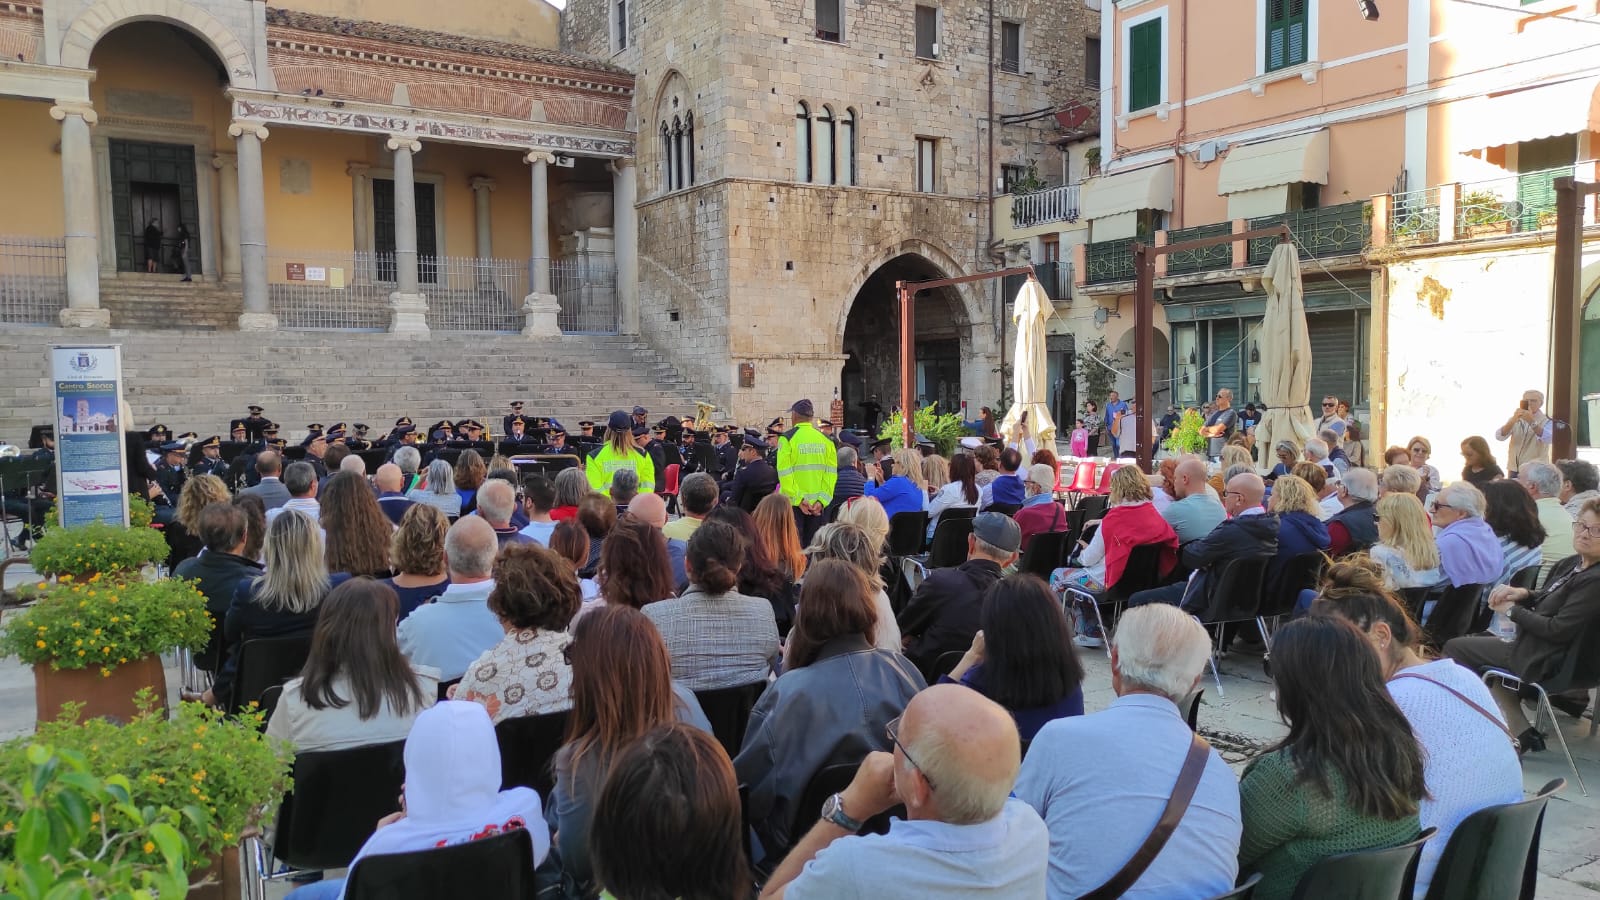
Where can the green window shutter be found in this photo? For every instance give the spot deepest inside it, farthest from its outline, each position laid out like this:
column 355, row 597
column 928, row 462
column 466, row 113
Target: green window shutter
column 1144, row 65
column 1288, row 24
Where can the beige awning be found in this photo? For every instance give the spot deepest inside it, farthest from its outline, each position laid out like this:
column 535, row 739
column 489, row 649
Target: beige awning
column 1525, row 114
column 1108, row 195
column 1290, row 160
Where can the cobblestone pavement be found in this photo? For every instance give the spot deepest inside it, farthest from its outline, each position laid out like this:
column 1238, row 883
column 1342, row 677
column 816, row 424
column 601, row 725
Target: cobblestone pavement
column 1239, row 720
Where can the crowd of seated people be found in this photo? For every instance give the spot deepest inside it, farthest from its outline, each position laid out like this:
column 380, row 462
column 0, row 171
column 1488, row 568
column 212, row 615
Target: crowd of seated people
column 967, row 727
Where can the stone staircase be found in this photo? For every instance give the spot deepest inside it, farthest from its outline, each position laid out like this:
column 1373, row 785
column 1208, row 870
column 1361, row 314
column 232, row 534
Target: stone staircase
column 193, row 379
column 139, row 301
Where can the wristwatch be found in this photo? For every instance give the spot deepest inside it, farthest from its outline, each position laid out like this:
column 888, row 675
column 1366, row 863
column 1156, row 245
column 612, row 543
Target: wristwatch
column 833, row 811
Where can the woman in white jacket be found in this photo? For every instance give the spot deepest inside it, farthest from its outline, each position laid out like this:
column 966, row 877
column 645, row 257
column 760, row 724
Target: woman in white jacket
column 960, row 493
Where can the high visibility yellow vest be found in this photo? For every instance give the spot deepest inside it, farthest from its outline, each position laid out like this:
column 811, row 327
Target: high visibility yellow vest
column 606, row 461
column 808, row 465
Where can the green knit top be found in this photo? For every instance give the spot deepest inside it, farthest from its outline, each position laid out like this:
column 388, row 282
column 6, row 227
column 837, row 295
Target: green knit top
column 1289, row 826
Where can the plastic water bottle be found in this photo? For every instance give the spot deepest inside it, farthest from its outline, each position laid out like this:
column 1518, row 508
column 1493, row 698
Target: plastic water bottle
column 1503, row 628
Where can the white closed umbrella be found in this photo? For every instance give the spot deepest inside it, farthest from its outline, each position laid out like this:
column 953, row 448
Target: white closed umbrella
column 1285, row 357
column 1029, row 381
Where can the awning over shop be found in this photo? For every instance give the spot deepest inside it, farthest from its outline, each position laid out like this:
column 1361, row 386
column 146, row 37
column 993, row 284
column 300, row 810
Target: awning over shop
column 1108, row 195
column 1290, row 160
column 1526, row 114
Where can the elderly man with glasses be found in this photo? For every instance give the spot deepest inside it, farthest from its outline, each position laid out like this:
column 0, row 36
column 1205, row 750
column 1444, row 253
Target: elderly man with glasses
column 1331, row 420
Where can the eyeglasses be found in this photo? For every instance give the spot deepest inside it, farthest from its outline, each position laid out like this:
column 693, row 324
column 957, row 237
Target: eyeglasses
column 1232, row 494
column 1420, row 451
column 1327, row 406
column 892, row 729
column 1589, row 530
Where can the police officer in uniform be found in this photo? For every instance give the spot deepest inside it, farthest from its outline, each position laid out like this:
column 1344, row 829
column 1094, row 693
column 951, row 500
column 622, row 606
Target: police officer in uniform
column 619, row 452
column 808, row 467
column 516, row 413
column 205, row 458
column 727, row 455
column 755, row 478
column 255, row 424
column 157, row 435
column 316, row 444
column 170, row 473
column 358, row 440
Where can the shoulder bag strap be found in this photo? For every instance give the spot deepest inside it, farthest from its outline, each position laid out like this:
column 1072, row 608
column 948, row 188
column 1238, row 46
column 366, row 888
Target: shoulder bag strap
column 1464, row 699
column 1194, row 765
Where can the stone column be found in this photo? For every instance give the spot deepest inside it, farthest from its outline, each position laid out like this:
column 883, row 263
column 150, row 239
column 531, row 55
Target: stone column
column 257, row 315
column 482, row 187
column 81, row 218
column 409, row 305
column 360, row 190
column 625, row 226
column 227, row 166
column 540, row 309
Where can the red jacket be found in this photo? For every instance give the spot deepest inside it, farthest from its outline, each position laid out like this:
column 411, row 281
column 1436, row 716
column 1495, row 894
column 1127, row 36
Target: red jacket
column 1126, row 527
column 1040, row 518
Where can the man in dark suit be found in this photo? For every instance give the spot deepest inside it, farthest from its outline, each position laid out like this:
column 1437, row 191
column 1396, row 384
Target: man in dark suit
column 1249, row 532
column 755, row 479
column 271, row 490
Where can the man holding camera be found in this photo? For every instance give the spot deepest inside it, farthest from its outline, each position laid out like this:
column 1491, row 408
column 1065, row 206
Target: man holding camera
column 1529, row 431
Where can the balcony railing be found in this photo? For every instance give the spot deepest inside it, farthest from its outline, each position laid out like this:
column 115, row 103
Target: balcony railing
column 1414, row 217
column 1323, row 232
column 1202, row 259
column 1108, row 261
column 1056, row 278
column 33, row 279
column 1515, row 203
column 1057, row 204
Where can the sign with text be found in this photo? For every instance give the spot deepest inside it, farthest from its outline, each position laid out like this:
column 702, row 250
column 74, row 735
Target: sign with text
column 294, row 271
column 91, row 467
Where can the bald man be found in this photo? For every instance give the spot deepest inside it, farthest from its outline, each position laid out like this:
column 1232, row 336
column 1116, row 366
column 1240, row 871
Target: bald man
column 954, row 761
column 457, row 627
column 1194, row 511
column 390, row 482
column 652, row 510
column 1249, row 532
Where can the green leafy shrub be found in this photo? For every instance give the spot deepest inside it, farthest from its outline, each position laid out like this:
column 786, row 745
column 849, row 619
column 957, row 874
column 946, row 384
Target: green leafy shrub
column 1186, row 437
column 107, row 622
column 223, row 773
column 96, row 548
column 944, row 430
column 70, row 834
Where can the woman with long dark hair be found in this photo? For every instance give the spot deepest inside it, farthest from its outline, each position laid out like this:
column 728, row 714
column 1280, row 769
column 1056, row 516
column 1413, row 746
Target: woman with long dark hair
column 357, row 687
column 598, row 515
column 1349, row 775
column 1479, row 466
column 1514, row 518
column 621, row 688
column 358, row 532
column 797, row 728
column 759, row 574
column 961, row 492
column 1469, row 759
column 571, row 542
column 1023, row 657
column 717, row 637
column 635, row 568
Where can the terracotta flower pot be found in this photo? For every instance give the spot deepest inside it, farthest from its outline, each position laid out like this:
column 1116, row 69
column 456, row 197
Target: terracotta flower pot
column 223, row 875
column 100, row 695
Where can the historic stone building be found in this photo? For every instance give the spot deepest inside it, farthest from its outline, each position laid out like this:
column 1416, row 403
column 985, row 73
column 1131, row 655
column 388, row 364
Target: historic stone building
column 796, row 159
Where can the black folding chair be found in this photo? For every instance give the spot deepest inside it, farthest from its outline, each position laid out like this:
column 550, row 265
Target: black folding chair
column 1141, row 572
column 1234, row 593
column 959, row 512
column 499, row 867
column 1299, row 574
column 337, row 800
column 1006, row 509
column 527, row 746
column 1579, row 670
column 1494, row 853
column 1386, row 873
column 1044, row 554
column 1243, row 891
column 946, row 663
column 907, row 531
column 728, row 711
column 949, row 545
column 1094, row 506
column 824, row 784
column 264, row 663
column 1452, row 614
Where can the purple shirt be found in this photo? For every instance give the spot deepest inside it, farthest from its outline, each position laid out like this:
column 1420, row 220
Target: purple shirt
column 1469, row 552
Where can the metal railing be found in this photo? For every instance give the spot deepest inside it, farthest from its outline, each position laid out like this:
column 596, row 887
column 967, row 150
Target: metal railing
column 1056, row 278
column 1108, row 261
column 1057, row 204
column 1321, row 232
column 586, row 287
column 1203, row 259
column 313, row 290
column 1510, row 204
column 476, row 293
column 33, row 279
column 1414, row 217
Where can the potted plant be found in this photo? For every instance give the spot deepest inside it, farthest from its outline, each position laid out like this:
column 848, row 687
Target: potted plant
column 95, row 635
column 71, row 833
column 223, row 774
column 1091, row 160
column 1483, row 213
column 1547, row 218
column 1186, row 436
column 945, row 431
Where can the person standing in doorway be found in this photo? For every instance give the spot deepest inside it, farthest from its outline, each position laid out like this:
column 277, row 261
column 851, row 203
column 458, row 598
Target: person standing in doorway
column 183, row 251
column 1113, row 416
column 152, row 246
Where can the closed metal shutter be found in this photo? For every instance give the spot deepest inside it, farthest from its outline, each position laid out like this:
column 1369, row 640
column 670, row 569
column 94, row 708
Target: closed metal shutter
column 1227, row 359
column 1335, row 356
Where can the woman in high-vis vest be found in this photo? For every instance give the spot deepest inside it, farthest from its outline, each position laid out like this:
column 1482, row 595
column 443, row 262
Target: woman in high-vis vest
column 619, row 452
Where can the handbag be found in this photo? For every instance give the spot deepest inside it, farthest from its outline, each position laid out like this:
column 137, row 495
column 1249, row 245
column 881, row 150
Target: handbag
column 1194, row 765
column 1515, row 744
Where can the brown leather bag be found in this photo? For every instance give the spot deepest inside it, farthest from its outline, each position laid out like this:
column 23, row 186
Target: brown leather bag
column 1194, row 765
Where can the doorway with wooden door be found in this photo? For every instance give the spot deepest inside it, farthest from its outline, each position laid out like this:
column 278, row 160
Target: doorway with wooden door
column 153, row 189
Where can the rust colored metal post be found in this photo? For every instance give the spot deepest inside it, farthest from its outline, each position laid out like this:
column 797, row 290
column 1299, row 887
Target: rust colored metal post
column 908, row 360
column 1563, row 325
column 1144, row 302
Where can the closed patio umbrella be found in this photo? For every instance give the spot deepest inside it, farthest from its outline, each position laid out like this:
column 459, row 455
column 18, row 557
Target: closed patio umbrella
column 1029, row 381
column 1285, row 357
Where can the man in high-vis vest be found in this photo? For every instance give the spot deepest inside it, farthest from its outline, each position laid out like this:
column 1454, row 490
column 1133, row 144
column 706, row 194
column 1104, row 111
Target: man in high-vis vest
column 620, row 452
column 808, row 466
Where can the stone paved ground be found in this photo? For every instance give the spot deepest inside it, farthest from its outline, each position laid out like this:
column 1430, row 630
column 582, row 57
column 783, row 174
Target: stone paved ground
column 1242, row 716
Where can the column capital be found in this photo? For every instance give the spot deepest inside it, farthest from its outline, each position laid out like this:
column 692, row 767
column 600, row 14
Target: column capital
column 617, row 165
column 64, row 108
column 220, row 161
column 482, row 183
column 242, row 127
column 357, row 169
column 398, row 142
column 539, row 156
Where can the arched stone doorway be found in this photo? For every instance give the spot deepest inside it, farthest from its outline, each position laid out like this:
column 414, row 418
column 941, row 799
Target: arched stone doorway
column 1160, row 369
column 872, row 342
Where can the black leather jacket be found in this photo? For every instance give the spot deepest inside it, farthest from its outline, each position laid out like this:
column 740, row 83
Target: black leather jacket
column 831, row 712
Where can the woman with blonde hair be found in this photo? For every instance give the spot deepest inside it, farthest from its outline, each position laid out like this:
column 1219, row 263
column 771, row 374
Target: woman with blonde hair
column 903, row 491
column 1132, row 521
column 868, row 515
column 1300, row 526
column 776, row 530
column 936, row 472
column 1420, row 449
column 855, row 545
column 1236, row 455
column 1405, row 547
column 198, row 493
column 416, row 552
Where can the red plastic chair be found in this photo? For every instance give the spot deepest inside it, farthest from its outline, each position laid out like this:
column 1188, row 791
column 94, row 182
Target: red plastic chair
column 1105, row 477
column 1082, row 482
column 670, row 489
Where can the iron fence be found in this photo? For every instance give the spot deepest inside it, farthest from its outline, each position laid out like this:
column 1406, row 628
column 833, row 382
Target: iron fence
column 1510, row 204
column 313, row 290
column 1414, row 217
column 586, row 287
column 1322, row 232
column 1056, row 278
column 33, row 279
column 1108, row 261
column 1057, row 204
column 477, row 294
column 1202, row 259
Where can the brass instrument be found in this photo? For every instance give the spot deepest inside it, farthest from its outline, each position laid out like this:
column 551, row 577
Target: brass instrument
column 702, row 415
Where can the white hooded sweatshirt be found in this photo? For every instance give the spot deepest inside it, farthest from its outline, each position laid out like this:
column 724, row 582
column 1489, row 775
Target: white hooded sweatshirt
column 453, row 787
